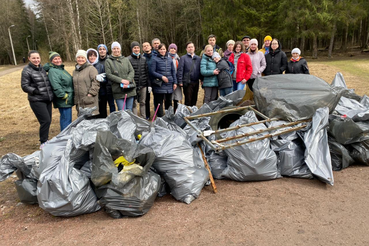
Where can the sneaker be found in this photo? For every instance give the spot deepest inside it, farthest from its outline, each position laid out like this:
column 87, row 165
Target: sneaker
column 43, row 144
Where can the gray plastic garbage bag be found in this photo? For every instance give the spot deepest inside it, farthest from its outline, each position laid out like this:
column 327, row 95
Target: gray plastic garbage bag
column 339, row 154
column 27, row 190
column 181, row 112
column 352, row 109
column 253, row 161
column 142, row 125
column 177, row 162
column 132, row 191
column 122, row 125
column 346, row 131
column 217, row 163
column 8, row 165
column 317, row 155
column 294, row 96
column 365, row 101
column 339, row 81
column 63, row 190
column 360, row 152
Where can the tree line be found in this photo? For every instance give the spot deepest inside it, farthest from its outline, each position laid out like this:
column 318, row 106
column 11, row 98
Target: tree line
column 66, row 26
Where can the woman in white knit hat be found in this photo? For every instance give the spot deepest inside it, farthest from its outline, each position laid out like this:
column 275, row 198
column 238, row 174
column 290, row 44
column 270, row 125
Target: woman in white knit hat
column 229, row 48
column 297, row 64
column 86, row 87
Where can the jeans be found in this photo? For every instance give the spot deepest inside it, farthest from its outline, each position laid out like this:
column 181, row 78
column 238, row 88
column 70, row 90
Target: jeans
column 65, row 117
column 159, row 98
column 42, row 111
column 225, row 91
column 238, row 86
column 128, row 105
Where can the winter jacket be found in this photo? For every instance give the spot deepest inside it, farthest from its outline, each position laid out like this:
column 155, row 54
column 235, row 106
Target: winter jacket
column 141, row 69
column 116, row 69
column 62, row 84
column 207, row 67
column 184, row 67
column 163, row 66
column 265, row 50
column 215, row 49
column 149, row 57
column 224, row 76
column 244, row 67
column 105, row 86
column 35, row 78
column 298, row 66
column 258, row 63
column 84, row 82
column 276, row 61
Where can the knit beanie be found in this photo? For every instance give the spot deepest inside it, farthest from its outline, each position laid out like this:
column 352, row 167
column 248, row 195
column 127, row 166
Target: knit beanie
column 230, row 42
column 115, row 44
column 81, row 53
column 254, row 41
column 268, row 38
column 296, row 50
column 215, row 55
column 102, row 45
column 135, row 43
column 52, row 55
column 172, row 46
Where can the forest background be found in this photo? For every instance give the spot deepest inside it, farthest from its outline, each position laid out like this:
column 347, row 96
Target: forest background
column 324, row 27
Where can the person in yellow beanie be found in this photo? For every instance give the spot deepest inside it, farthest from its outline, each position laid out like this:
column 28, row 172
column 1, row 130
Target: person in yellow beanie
column 267, row 40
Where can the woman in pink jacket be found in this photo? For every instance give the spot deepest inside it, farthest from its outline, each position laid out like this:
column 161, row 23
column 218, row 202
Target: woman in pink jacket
column 258, row 61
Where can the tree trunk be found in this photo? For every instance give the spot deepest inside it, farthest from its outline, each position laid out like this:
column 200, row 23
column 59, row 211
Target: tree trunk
column 139, row 26
column 79, row 38
column 47, row 31
column 110, row 26
column 345, row 36
column 315, row 46
column 303, row 44
column 73, row 27
column 334, row 29
column 65, row 35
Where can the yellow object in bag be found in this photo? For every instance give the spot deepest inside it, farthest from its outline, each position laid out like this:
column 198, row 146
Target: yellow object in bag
column 123, row 161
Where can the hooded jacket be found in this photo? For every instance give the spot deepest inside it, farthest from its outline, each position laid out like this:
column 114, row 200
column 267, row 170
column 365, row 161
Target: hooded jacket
column 162, row 65
column 116, row 69
column 216, row 48
column 297, row 66
column 84, row 82
column 35, row 78
column 139, row 64
column 207, row 67
column 244, row 67
column 224, row 76
column 276, row 61
column 62, row 84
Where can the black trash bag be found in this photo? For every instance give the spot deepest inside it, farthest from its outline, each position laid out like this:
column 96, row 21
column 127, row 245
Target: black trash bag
column 170, row 125
column 130, row 192
column 236, row 96
column 339, row 81
column 142, row 125
column 217, row 163
column 201, row 124
column 352, row 109
column 181, row 112
column 346, row 131
column 360, row 152
column 294, row 97
column 177, row 162
column 253, row 161
column 122, row 125
column 317, row 155
column 340, row 156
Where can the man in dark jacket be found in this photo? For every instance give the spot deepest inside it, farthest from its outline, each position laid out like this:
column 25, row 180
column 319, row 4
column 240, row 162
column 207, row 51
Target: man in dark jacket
column 105, row 92
column 139, row 64
column 188, row 74
column 148, row 54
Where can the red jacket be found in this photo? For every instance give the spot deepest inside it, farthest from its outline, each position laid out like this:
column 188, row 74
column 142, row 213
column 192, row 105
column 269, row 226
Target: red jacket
column 244, row 67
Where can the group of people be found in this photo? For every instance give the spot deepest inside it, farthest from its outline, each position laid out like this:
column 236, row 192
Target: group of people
column 100, row 79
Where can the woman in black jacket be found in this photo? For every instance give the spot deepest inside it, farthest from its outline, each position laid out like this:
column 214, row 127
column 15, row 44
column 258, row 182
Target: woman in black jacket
column 297, row 64
column 40, row 94
column 276, row 59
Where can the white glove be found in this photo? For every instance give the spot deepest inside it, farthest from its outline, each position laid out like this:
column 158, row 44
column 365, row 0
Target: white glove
column 149, row 89
column 101, row 77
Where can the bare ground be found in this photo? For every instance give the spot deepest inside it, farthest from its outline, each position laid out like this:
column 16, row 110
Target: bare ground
column 286, row 211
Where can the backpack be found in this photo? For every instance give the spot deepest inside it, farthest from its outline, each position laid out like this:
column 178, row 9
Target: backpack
column 231, row 67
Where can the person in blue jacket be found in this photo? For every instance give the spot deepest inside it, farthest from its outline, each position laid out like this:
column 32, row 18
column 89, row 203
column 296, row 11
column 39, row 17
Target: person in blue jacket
column 164, row 79
column 209, row 70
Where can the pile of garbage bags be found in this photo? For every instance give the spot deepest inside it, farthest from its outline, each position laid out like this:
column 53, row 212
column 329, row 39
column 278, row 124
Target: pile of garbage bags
column 123, row 163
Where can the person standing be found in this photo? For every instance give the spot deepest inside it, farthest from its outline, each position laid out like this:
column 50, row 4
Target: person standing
column 224, row 77
column 297, row 64
column 120, row 72
column 276, row 59
column 147, row 49
column 242, row 65
column 209, row 70
column 177, row 93
column 139, row 64
column 212, row 40
column 105, row 92
column 36, row 84
column 62, row 85
column 266, row 45
column 246, row 42
column 189, row 74
column 229, row 50
column 164, row 79
column 257, row 60
column 86, row 87
column 155, row 46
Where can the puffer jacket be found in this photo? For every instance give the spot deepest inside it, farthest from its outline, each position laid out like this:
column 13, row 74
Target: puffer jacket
column 258, row 63
column 116, row 69
column 139, row 64
column 216, row 48
column 244, row 67
column 149, row 57
column 298, row 66
column 84, row 82
column 162, row 65
column 35, row 78
column 62, row 84
column 224, row 76
column 207, row 67
column 105, row 87
column 276, row 61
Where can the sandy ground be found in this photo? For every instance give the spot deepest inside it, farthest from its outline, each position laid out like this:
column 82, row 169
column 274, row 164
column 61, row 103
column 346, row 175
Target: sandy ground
column 286, row 211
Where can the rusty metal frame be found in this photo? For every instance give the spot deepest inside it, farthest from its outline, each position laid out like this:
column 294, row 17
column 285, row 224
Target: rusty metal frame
column 219, row 145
